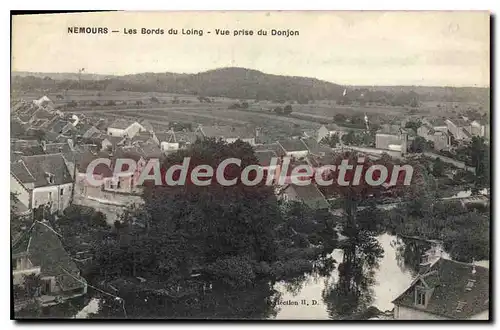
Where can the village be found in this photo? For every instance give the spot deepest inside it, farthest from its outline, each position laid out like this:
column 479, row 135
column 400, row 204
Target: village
column 52, row 145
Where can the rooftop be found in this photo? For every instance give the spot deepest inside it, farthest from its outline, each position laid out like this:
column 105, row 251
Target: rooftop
column 44, row 248
column 449, row 281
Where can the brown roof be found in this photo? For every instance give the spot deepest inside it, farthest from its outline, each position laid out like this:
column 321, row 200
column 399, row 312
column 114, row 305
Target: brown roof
column 449, row 280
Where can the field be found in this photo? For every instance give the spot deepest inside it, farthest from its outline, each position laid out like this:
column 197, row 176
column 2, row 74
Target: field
column 168, row 108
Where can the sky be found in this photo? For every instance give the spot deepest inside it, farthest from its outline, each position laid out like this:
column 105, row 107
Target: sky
column 349, row 48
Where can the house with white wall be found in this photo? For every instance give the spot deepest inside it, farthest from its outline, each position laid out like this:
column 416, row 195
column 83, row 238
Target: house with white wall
column 42, row 180
column 229, row 134
column 295, row 148
column 125, row 128
column 39, row 251
column 446, row 290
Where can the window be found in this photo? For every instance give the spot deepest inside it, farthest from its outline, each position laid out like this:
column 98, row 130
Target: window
column 420, row 297
column 62, row 191
column 45, row 286
column 50, row 195
column 118, row 184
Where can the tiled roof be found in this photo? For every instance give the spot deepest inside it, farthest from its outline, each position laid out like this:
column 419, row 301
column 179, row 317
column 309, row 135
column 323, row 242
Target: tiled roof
column 293, row 145
column 459, row 122
column 44, row 248
column 311, row 196
column 55, row 148
column 391, row 129
column 41, row 165
column 449, row 280
column 121, row 123
column 21, row 173
column 264, row 157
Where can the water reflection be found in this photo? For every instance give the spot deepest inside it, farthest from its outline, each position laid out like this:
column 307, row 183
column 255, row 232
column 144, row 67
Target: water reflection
column 377, row 270
column 353, row 292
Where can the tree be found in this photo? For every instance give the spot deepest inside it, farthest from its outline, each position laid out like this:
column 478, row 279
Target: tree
column 480, row 159
column 154, row 99
column 331, row 140
column 418, row 145
column 339, row 118
column 413, row 124
column 287, row 109
column 438, row 167
column 232, row 234
column 278, row 110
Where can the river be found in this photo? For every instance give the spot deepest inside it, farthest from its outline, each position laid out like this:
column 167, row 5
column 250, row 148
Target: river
column 391, row 275
column 390, row 281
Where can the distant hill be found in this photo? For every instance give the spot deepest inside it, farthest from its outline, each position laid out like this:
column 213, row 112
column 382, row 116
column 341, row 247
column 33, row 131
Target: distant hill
column 62, row 75
column 241, row 83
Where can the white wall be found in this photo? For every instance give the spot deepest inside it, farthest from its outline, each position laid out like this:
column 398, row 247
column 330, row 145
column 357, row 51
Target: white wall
column 133, row 129
column 250, row 141
column 169, row 146
column 405, row 313
column 44, row 195
column 116, row 132
column 22, row 194
column 298, row 154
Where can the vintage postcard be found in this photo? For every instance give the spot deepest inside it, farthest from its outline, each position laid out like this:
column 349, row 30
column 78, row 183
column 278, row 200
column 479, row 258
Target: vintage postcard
column 277, row 165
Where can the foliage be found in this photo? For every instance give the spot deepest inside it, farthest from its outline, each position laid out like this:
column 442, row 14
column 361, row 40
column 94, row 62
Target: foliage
column 339, row 118
column 438, row 167
column 231, row 234
column 287, row 109
column 331, row 140
column 413, row 124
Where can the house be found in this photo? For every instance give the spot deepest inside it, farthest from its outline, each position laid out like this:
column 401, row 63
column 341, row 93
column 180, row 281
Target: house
column 56, row 148
column 44, row 102
column 125, row 127
column 328, row 130
column 459, row 128
column 39, row 251
column 90, row 132
column 265, row 161
column 42, row 180
column 111, row 142
column 392, row 137
column 446, row 290
column 438, row 124
column 441, row 139
column 295, row 148
column 307, row 194
column 228, row 133
column 315, row 148
column 481, row 128
column 147, row 125
column 140, row 138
